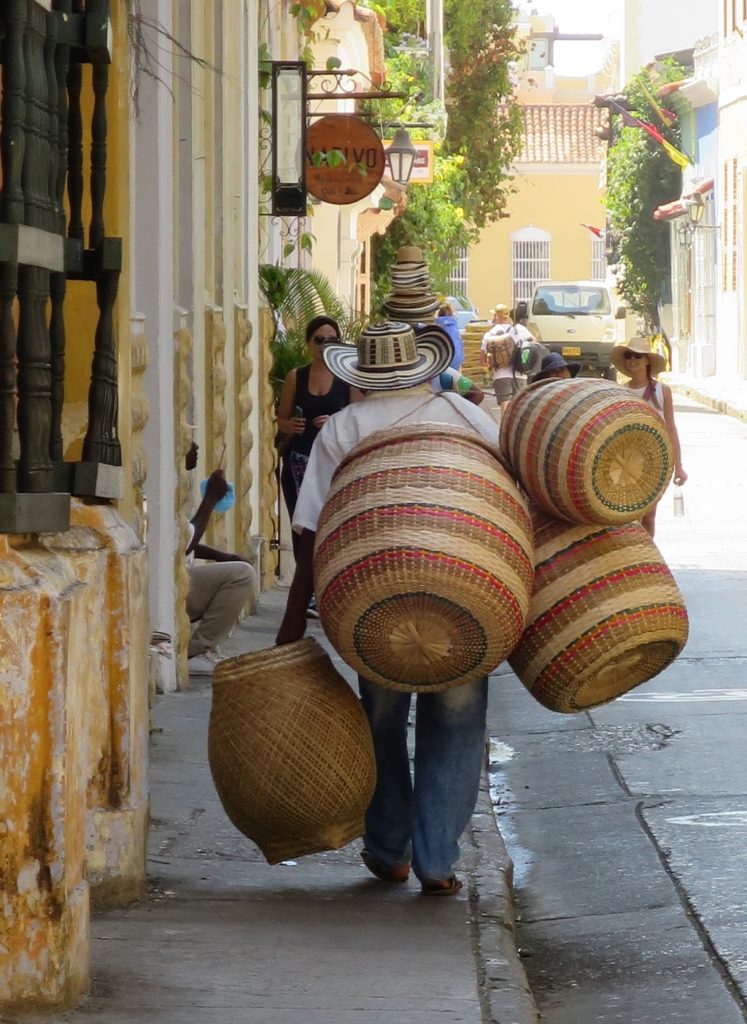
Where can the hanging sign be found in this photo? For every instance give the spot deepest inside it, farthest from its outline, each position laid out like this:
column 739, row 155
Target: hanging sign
column 345, row 159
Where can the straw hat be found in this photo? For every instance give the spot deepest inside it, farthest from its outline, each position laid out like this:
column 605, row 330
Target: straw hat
column 391, row 355
column 641, row 344
column 409, row 254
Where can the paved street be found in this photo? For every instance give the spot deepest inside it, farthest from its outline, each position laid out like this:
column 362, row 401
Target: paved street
column 628, row 825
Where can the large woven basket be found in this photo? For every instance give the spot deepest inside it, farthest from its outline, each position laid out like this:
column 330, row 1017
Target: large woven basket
column 290, row 750
column 423, row 559
column 606, row 615
column 587, row 451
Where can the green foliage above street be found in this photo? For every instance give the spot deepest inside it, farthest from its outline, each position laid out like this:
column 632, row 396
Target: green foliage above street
column 475, row 147
column 296, row 296
column 640, row 177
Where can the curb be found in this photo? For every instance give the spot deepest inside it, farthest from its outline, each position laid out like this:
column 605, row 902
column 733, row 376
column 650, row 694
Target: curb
column 504, row 991
column 722, row 405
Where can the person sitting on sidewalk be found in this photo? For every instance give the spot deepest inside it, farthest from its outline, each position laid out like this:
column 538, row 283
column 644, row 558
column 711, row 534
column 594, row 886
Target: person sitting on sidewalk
column 405, row 823
column 217, row 591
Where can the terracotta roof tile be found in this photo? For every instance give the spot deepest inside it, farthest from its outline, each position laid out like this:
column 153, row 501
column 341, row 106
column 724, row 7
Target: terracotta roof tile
column 562, row 134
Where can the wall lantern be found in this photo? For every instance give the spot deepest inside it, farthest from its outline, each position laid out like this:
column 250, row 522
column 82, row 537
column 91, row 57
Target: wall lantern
column 695, row 208
column 400, row 157
column 289, row 138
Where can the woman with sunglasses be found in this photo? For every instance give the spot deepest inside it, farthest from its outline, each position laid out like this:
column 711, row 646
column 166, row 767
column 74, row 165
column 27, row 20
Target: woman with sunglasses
column 309, row 396
column 637, row 361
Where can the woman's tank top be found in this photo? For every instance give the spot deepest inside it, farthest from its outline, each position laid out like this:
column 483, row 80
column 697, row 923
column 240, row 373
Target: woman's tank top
column 656, row 401
column 312, row 406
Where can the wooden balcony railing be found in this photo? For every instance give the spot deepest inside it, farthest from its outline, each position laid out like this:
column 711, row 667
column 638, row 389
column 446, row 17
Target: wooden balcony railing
column 43, row 47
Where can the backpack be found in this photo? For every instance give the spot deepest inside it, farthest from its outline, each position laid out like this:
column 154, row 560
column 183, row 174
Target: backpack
column 500, row 350
column 527, row 357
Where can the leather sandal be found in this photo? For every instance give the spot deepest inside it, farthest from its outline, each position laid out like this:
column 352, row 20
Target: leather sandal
column 441, row 887
column 396, row 873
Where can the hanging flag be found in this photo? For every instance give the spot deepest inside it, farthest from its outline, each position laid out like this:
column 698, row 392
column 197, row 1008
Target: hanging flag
column 595, row 231
column 635, row 122
column 681, row 159
column 665, row 116
column 628, row 120
column 653, row 132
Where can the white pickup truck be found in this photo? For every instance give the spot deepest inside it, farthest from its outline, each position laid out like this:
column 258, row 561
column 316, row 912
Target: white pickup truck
column 578, row 319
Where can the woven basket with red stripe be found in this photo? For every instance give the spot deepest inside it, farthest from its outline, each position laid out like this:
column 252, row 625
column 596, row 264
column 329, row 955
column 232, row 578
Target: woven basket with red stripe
column 606, row 614
column 587, row 451
column 423, row 558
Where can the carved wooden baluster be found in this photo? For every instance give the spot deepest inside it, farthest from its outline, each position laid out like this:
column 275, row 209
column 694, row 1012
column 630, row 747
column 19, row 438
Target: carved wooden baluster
column 36, row 156
column 100, row 73
column 58, row 282
column 12, row 141
column 75, row 144
column 34, row 354
column 53, row 120
column 34, row 381
column 101, row 442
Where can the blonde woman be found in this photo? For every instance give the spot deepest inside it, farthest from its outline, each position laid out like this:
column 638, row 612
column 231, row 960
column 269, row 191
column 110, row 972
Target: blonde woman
column 636, row 361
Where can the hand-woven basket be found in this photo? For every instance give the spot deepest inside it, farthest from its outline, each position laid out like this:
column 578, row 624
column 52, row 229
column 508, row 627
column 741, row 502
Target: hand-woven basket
column 587, row 451
column 423, row 559
column 290, row 750
column 606, row 615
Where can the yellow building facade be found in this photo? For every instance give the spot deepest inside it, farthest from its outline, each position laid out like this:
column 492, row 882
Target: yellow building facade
column 558, row 180
column 73, row 569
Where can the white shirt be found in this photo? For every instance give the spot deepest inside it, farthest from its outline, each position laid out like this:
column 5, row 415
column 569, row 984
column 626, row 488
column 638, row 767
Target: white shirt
column 519, row 333
column 342, row 432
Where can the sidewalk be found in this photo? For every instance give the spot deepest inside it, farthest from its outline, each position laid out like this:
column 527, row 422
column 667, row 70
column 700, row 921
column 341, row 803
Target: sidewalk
column 223, row 938
column 728, row 397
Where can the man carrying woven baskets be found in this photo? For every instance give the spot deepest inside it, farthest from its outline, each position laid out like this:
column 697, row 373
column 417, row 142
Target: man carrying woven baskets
column 408, row 822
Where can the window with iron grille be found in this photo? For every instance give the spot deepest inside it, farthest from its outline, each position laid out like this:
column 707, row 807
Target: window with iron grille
column 530, row 262
column 458, row 276
column 598, row 259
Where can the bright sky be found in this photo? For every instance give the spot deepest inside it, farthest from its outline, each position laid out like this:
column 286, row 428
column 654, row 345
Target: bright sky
column 577, row 16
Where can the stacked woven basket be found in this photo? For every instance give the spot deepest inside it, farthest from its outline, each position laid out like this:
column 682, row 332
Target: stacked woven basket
column 606, row 614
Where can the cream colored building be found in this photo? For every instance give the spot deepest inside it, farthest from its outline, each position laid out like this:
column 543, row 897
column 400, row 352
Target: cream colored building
column 731, row 191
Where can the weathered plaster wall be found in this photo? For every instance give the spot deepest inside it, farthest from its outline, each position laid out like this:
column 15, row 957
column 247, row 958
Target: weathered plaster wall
column 73, row 745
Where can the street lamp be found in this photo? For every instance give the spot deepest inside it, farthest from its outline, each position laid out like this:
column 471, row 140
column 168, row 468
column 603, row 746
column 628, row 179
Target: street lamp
column 686, row 227
column 289, row 138
column 401, row 157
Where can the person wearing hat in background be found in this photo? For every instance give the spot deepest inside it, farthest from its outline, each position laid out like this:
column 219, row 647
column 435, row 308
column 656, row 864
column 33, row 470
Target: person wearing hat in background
column 506, row 382
column 218, row 588
column 554, row 367
column 406, row 824
column 640, row 364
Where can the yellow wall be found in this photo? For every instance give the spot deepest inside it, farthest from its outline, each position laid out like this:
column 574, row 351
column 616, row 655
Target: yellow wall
column 556, row 203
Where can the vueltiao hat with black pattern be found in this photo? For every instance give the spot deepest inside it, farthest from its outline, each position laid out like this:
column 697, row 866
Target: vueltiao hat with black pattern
column 391, row 355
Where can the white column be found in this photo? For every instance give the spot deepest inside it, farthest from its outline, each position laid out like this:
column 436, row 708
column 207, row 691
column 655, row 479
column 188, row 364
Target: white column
column 152, row 295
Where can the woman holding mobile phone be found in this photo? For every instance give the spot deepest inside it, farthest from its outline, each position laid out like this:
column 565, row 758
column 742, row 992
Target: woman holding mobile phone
column 309, row 396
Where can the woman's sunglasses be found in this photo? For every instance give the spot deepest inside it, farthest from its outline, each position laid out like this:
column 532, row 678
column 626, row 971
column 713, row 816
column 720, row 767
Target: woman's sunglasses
column 634, row 355
column 321, row 338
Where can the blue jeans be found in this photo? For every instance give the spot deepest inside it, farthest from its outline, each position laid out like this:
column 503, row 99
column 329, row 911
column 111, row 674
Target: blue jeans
column 423, row 820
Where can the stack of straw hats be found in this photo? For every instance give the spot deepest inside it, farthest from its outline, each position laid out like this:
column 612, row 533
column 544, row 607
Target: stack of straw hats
column 411, row 299
column 472, row 336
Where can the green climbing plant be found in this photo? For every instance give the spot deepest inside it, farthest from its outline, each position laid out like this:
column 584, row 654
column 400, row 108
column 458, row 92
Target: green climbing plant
column 296, row 296
column 640, row 177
